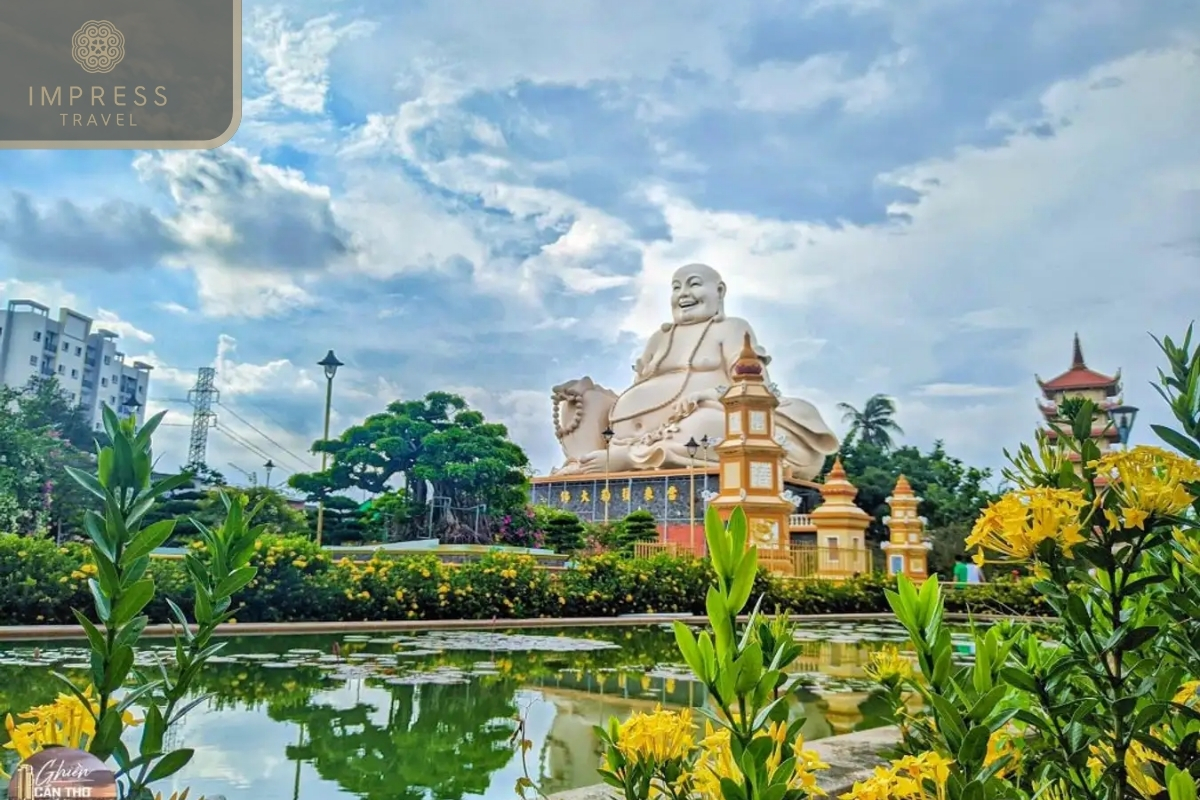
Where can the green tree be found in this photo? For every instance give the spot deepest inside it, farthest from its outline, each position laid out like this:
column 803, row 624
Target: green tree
column 343, row 524
column 435, row 447
column 874, row 424
column 44, row 405
column 564, row 532
column 275, row 512
column 35, row 493
column 386, row 518
column 639, row 526
column 951, row 492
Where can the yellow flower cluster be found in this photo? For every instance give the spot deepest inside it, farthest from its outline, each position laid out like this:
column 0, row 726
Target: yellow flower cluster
column 920, row 777
column 664, row 737
column 1188, row 695
column 657, row 737
column 84, row 572
column 1018, row 523
column 716, row 761
column 889, row 666
column 1148, row 480
column 1137, row 765
column 66, row 722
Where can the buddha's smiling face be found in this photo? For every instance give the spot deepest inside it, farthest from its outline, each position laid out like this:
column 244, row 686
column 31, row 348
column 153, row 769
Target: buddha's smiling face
column 696, row 294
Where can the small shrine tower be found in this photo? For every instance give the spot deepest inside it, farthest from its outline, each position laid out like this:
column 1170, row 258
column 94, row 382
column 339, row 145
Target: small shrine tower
column 841, row 528
column 1080, row 381
column 907, row 548
column 751, row 458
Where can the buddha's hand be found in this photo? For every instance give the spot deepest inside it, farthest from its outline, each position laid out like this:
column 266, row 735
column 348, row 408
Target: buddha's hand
column 687, row 405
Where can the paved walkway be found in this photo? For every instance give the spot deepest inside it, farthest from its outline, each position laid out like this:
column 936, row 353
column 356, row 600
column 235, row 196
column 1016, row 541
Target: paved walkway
column 17, row 632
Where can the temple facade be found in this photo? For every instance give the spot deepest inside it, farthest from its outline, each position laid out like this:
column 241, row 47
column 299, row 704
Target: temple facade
column 1083, row 382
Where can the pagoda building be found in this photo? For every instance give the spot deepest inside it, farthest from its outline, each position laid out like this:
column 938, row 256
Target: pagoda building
column 751, row 456
column 1082, row 382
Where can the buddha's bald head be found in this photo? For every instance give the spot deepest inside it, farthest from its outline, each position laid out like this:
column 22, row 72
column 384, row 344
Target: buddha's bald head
column 697, row 294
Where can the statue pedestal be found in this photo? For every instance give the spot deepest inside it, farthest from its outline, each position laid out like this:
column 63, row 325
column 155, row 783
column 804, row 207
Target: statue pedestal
column 664, row 493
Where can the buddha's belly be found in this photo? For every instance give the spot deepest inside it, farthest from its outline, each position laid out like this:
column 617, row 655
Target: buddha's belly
column 648, row 405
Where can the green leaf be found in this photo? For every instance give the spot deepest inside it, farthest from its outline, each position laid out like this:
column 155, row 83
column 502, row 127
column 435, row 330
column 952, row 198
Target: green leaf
column 235, row 581
column 134, row 599
column 686, row 641
column 95, row 637
column 108, row 734
column 117, row 669
column 141, row 442
column 87, row 481
column 974, row 748
column 737, row 533
column 743, row 580
column 719, row 619
column 103, row 606
column 1177, row 440
column 1182, row 786
column 203, row 606
column 153, row 731
column 169, row 764
column 148, row 540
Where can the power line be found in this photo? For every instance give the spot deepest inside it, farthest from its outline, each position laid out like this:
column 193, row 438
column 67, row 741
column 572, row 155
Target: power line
column 238, row 440
column 245, row 422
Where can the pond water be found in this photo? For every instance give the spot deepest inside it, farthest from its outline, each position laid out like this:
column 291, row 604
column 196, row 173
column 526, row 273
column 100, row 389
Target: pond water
column 430, row 716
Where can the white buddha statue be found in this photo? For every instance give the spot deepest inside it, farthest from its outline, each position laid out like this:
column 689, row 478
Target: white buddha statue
column 676, row 395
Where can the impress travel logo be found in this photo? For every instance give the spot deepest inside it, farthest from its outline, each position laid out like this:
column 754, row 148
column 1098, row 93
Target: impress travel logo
column 119, row 73
column 62, row 773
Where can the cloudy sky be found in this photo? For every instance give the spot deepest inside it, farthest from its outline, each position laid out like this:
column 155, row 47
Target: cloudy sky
column 925, row 198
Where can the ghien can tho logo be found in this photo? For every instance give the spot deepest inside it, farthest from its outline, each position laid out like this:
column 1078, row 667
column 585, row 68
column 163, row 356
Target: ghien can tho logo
column 62, row 773
column 98, row 46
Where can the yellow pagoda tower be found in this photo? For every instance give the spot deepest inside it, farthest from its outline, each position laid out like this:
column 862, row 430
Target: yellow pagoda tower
column 841, row 528
column 907, row 548
column 751, row 461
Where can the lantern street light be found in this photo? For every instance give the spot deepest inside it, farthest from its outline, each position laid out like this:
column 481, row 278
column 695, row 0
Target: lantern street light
column 270, row 465
column 330, row 364
column 692, row 447
column 1122, row 418
column 608, row 434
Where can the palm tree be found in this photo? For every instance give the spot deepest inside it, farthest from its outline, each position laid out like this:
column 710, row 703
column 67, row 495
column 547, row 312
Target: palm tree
column 874, row 424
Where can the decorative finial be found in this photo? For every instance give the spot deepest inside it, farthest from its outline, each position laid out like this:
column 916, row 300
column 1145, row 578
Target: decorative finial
column 749, row 366
column 837, row 472
column 903, row 487
column 837, row 488
column 1077, row 355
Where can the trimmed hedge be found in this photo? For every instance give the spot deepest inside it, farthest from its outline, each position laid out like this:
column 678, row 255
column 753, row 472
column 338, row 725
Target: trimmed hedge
column 40, row 583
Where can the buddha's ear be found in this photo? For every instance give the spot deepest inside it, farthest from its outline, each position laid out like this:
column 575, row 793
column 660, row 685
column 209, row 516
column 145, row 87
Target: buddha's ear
column 721, row 290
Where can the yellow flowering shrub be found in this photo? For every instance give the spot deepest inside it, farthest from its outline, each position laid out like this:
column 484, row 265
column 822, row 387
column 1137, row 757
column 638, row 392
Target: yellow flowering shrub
column 1105, row 707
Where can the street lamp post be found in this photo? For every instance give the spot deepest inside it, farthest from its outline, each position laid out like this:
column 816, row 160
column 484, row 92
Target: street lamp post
column 330, row 364
column 705, row 443
column 1122, row 418
column 607, row 433
column 692, row 446
column 270, row 465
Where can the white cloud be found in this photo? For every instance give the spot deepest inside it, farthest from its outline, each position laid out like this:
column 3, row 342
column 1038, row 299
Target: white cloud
column 779, row 86
column 297, row 60
column 1041, row 236
column 126, row 330
column 52, row 294
column 960, row 390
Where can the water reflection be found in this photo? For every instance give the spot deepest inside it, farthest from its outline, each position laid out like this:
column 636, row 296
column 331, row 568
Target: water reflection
column 432, row 716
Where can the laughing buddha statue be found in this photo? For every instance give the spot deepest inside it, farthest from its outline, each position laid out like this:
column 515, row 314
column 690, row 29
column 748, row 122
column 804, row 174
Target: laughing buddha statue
column 676, row 395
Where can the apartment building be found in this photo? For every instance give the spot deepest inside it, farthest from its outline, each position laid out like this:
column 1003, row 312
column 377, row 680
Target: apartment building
column 86, row 362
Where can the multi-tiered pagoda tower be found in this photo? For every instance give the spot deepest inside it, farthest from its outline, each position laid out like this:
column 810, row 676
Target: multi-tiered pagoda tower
column 1081, row 381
